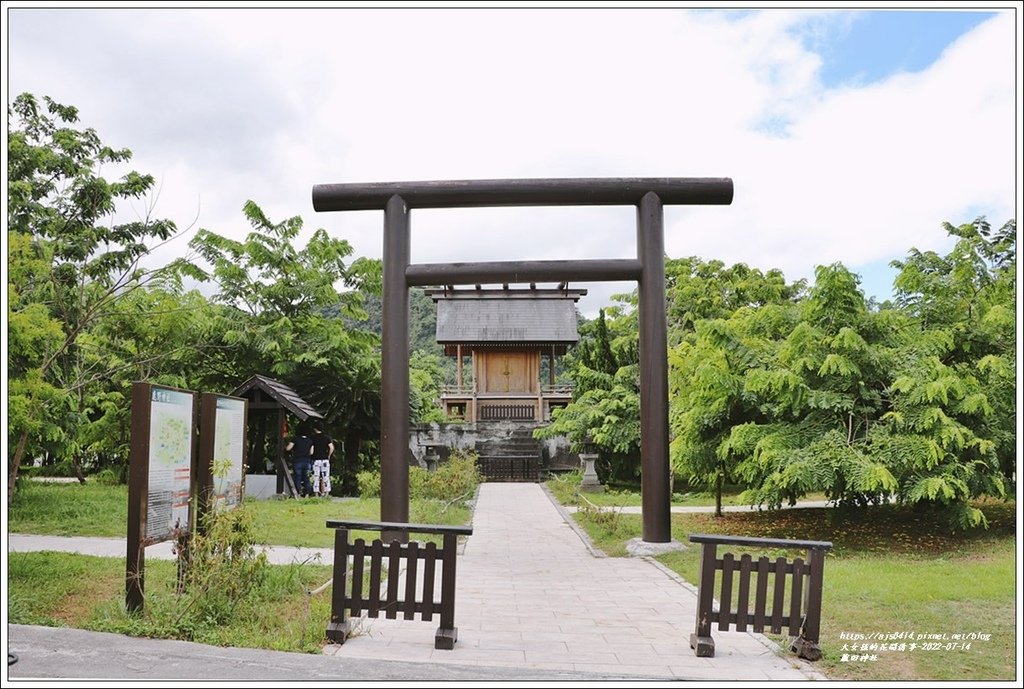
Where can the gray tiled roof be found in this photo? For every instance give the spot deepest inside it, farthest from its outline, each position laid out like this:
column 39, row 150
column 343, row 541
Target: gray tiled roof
column 282, row 394
column 548, row 321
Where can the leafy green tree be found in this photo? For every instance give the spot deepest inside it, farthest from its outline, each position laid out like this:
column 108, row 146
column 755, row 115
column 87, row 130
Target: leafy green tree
column 820, row 391
column 71, row 261
column 276, row 316
column 697, row 290
column 605, row 411
column 909, row 403
column 724, row 322
column 426, row 377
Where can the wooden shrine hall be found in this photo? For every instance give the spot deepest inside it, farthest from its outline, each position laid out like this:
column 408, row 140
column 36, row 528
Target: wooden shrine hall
column 506, row 332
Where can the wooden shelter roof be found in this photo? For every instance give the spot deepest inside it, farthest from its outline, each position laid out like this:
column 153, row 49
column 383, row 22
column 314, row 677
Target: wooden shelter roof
column 280, row 393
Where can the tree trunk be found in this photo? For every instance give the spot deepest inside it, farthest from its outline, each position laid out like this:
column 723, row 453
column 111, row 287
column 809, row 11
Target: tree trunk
column 12, row 475
column 351, row 465
column 719, row 482
column 78, row 469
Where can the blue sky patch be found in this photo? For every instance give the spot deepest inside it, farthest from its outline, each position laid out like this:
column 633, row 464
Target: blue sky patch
column 863, row 47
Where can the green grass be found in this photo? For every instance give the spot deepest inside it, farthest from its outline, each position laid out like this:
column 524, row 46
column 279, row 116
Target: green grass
column 87, row 592
column 302, row 522
column 73, row 509
column 69, row 509
column 565, row 488
column 892, row 570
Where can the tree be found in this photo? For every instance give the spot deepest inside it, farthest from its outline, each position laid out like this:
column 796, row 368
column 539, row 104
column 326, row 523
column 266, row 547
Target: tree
column 71, row 262
column 722, row 321
column 911, row 403
column 605, row 411
column 283, row 311
column 698, row 290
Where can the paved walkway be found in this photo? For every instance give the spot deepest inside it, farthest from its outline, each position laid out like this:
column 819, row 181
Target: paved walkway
column 116, row 547
column 533, row 600
column 531, row 595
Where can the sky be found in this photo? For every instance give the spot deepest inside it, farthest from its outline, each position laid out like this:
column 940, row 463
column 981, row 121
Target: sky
column 850, row 135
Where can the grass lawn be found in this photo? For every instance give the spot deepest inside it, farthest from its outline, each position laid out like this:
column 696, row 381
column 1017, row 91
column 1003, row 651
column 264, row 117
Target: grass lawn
column 73, row 509
column 301, row 522
column 564, row 488
column 69, row 509
column 892, row 570
column 86, row 592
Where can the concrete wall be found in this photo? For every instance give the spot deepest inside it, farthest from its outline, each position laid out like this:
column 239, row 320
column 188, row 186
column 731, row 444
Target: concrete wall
column 260, row 486
column 442, row 438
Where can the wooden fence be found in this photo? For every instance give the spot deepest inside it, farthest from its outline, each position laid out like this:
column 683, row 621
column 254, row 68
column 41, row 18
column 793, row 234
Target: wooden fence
column 509, row 468
column 409, row 600
column 507, row 412
column 792, row 603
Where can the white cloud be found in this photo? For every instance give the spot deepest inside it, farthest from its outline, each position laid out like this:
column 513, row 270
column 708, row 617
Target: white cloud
column 229, row 105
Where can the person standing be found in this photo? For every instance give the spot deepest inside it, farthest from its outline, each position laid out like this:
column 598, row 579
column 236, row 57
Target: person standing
column 301, row 447
column 323, row 449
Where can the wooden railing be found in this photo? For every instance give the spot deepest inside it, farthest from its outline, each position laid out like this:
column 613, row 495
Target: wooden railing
column 800, row 615
column 509, row 468
column 507, row 412
column 408, row 599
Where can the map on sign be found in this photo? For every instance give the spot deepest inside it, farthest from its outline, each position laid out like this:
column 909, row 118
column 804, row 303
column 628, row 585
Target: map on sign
column 228, row 446
column 170, row 463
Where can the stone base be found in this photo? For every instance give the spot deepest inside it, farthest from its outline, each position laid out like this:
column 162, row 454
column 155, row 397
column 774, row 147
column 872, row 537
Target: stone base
column 637, row 547
column 808, row 650
column 703, row 646
column 337, row 632
column 591, row 488
column 445, row 639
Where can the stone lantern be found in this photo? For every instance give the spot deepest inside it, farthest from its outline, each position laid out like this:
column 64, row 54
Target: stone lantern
column 590, row 483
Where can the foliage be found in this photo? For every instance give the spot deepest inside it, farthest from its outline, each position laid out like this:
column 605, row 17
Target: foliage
column 455, row 478
column 910, row 402
column 426, row 376
column 605, row 410
column 223, row 567
column 72, row 260
column 276, row 317
column 698, row 290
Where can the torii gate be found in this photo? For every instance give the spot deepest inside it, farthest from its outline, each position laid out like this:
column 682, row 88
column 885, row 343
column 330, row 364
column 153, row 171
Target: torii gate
column 649, row 195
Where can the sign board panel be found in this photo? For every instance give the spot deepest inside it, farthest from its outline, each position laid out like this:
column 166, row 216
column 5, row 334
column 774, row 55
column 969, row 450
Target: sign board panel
column 170, row 463
column 222, row 452
column 160, row 473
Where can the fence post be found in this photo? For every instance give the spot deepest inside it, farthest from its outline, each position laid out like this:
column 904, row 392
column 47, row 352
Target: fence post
column 701, row 641
column 806, row 644
column 447, row 634
column 339, row 627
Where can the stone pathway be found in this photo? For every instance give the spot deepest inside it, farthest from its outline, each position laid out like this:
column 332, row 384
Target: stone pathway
column 531, row 595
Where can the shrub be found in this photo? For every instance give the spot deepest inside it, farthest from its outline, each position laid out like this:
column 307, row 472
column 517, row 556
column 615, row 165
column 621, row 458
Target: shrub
column 369, row 483
column 108, row 477
column 457, row 477
column 225, row 568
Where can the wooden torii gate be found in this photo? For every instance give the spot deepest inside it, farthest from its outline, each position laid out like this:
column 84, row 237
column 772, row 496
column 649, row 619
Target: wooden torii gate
column 648, row 195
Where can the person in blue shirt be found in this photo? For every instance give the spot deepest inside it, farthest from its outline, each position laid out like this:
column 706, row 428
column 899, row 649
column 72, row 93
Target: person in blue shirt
column 301, row 447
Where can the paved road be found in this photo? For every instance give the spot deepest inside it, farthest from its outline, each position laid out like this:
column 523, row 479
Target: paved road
column 48, row 653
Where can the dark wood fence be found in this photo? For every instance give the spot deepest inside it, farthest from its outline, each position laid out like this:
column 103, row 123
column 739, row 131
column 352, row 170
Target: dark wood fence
column 417, row 595
column 507, row 412
column 791, row 603
column 509, row 468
